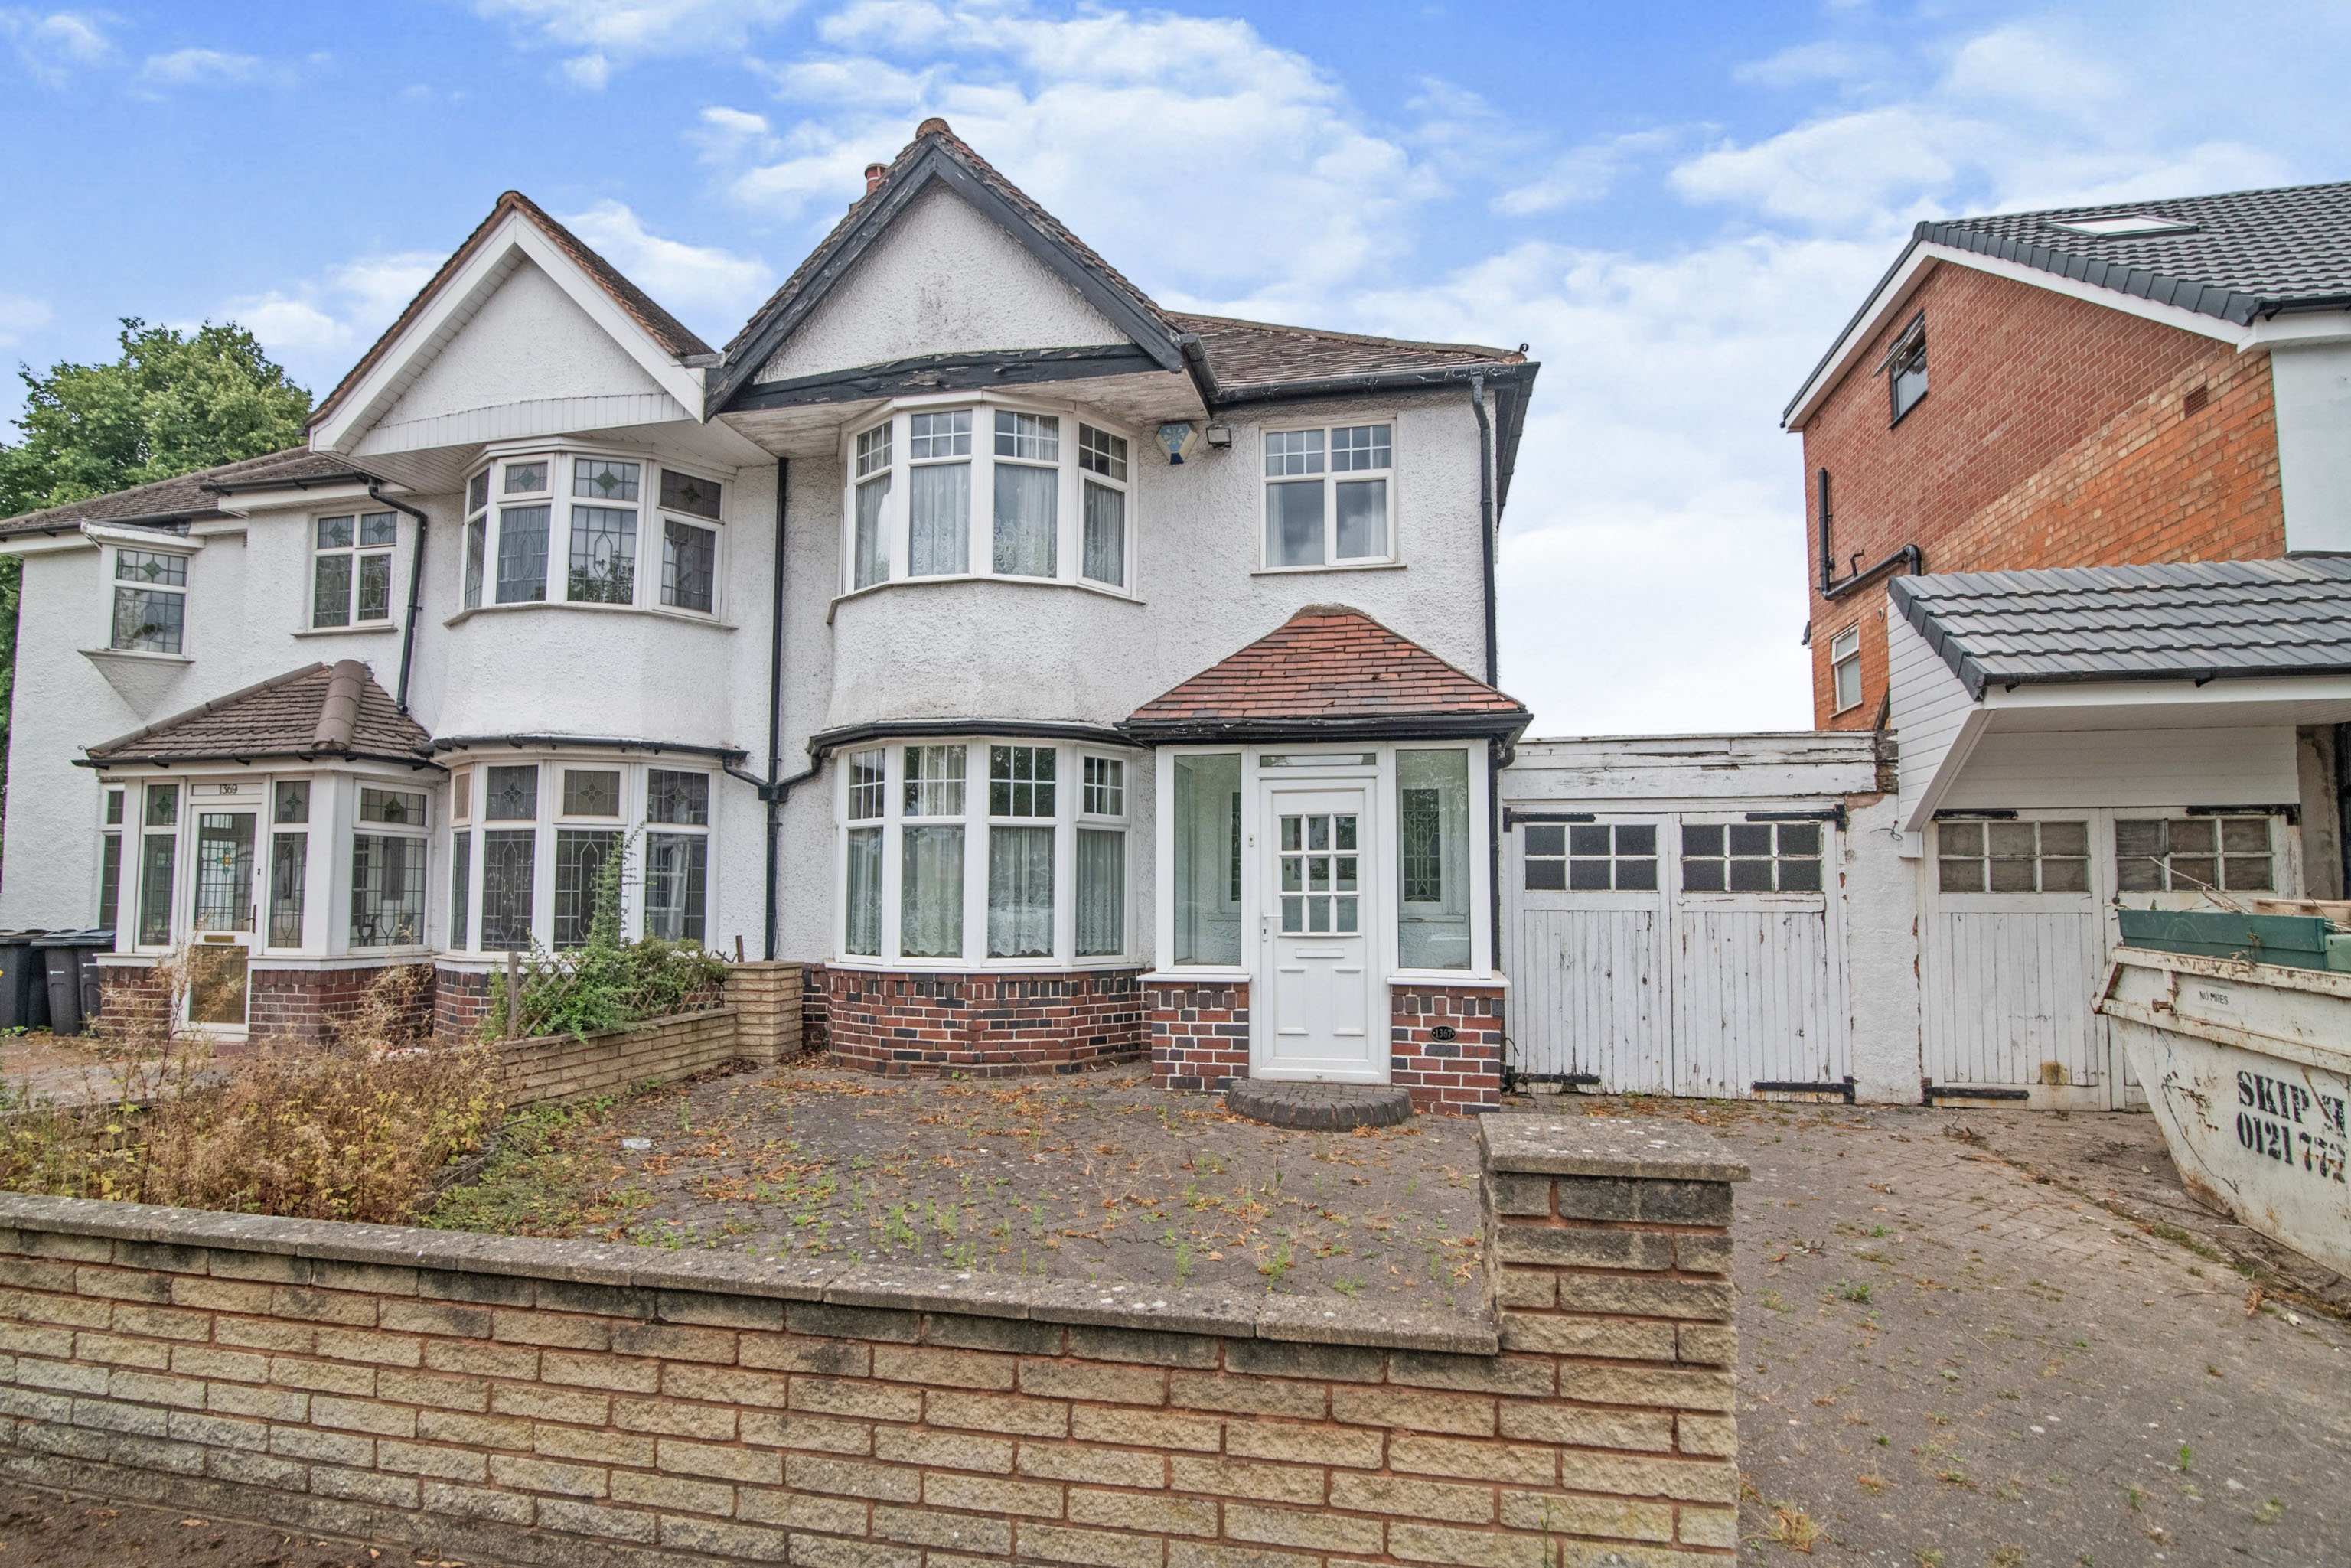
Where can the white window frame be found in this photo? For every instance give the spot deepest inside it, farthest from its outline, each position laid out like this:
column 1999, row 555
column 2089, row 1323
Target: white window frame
column 357, row 553
column 488, row 499
column 118, row 585
column 979, row 522
column 1332, row 478
column 1845, row 653
column 353, row 828
column 977, row 821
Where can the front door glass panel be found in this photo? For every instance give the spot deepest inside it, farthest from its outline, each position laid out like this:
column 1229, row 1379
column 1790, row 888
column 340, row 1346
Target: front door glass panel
column 222, row 918
column 1321, row 873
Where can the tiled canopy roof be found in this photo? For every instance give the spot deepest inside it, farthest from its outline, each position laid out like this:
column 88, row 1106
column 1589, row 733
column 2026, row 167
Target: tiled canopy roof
column 2235, row 256
column 673, row 336
column 1245, row 353
column 186, row 496
column 2206, row 621
column 315, row 711
column 1329, row 670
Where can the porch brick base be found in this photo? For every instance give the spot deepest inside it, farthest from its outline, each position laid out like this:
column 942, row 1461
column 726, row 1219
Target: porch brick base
column 1200, row 1033
column 460, row 998
column 986, row 1026
column 1461, row 1076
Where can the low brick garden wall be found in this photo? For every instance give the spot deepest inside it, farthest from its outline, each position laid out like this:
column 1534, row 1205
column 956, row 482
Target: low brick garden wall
column 553, row 1068
column 568, row 1402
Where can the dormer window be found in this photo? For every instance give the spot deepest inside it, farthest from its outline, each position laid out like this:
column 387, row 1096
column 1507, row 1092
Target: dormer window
column 602, row 505
column 1056, row 491
column 350, row 573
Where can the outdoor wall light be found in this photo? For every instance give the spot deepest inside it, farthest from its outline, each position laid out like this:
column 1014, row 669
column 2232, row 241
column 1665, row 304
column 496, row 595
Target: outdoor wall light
column 1180, row 441
column 1220, row 435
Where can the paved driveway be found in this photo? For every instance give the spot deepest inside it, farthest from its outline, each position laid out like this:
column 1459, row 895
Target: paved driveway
column 1948, row 1361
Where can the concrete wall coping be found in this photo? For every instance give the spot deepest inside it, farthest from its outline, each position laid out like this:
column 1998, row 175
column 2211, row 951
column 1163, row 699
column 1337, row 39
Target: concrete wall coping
column 654, row 1270
column 1644, row 1150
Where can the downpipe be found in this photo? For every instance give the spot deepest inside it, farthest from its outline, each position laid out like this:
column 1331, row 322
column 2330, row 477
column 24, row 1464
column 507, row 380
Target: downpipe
column 416, row 588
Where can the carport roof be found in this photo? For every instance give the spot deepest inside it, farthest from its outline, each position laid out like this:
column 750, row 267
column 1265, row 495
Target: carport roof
column 2202, row 621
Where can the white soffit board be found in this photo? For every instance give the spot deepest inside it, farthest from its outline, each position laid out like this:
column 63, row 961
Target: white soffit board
column 1894, row 295
column 942, row 278
column 517, row 243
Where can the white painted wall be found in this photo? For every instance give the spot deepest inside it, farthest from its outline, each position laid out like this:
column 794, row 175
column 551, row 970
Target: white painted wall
column 943, row 278
column 2216, row 767
column 2313, row 383
column 1925, row 708
column 528, row 342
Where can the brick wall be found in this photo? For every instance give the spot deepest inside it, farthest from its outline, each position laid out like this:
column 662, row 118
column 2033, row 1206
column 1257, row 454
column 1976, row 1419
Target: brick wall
column 986, row 1026
column 766, row 1002
column 1458, row 1076
column 293, row 1008
column 560, row 1067
column 1199, row 1032
column 816, row 1017
column 460, row 998
column 2056, row 433
column 557, row 1402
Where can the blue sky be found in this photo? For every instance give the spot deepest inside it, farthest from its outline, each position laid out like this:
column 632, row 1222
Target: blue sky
column 1677, row 205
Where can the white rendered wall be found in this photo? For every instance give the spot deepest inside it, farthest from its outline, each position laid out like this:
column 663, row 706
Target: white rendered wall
column 527, row 343
column 944, row 277
column 2312, row 385
column 1881, row 953
column 2247, row 767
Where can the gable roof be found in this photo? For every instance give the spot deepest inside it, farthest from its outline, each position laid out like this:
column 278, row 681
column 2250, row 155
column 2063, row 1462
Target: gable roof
column 2235, row 262
column 315, row 711
column 2205, row 621
column 671, row 336
column 2243, row 255
column 188, row 497
column 1329, row 670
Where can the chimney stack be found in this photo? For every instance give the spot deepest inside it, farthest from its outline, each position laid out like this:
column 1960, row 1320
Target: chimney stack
column 875, row 175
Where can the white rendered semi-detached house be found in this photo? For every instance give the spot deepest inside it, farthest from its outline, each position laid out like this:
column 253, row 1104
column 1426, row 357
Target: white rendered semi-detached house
column 1060, row 677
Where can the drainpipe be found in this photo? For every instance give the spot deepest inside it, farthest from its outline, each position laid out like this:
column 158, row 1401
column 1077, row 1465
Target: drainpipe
column 416, row 588
column 1493, row 674
column 776, row 714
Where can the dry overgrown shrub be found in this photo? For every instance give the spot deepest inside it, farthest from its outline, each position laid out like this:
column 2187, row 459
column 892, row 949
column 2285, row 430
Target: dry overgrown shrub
column 353, row 1131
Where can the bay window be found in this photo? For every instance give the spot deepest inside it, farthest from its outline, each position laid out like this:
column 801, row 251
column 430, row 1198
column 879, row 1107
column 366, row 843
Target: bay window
column 388, row 869
column 1056, row 494
column 972, row 852
column 1327, row 496
column 290, row 861
column 351, row 569
column 606, row 525
column 581, row 852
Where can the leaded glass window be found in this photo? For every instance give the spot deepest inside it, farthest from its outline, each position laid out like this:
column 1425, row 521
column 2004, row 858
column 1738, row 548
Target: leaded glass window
column 158, row 853
column 686, row 493
column 1020, row 780
column 676, row 893
column 689, row 565
column 150, row 600
column 603, row 479
column 399, row 808
column 510, row 794
column 580, row 855
column 603, row 555
column 461, row 886
column 526, row 479
column 289, row 870
column 292, row 800
column 387, row 890
column 509, row 871
column 223, row 870
column 591, row 792
column 522, row 554
column 350, row 580
column 681, row 798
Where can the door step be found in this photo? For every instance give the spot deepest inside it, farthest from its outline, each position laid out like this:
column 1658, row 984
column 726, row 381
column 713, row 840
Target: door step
column 1320, row 1107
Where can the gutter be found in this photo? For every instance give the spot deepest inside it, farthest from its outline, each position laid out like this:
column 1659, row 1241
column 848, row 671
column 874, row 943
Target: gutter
column 415, row 588
column 1909, row 555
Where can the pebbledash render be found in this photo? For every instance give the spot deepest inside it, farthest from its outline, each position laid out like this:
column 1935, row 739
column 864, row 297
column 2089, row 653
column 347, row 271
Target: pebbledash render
column 1058, row 677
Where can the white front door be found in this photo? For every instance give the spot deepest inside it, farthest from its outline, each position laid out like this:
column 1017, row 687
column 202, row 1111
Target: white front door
column 221, row 920
column 1325, row 1012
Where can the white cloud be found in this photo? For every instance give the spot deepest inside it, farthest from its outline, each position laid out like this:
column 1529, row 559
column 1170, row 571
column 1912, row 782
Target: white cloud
column 1583, row 173
column 695, row 281
column 51, row 46
column 1802, row 65
column 316, row 326
column 20, row 314
column 210, row 67
column 607, row 34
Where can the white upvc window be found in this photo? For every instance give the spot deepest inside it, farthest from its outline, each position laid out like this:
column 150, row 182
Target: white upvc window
column 350, row 568
column 1330, row 497
column 575, row 527
column 987, row 490
column 983, row 852
column 151, row 601
column 388, row 865
column 677, row 855
column 1845, row 668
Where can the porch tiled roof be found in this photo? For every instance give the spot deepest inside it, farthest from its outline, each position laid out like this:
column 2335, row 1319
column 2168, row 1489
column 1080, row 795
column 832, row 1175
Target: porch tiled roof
column 1334, row 669
column 314, row 711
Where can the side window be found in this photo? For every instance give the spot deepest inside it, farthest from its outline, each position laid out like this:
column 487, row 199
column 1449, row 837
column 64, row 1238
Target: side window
column 151, row 601
column 2194, row 855
column 350, row 571
column 689, row 549
column 1101, row 459
column 1844, row 667
column 1905, row 368
column 1327, row 498
column 1751, row 857
column 2013, row 857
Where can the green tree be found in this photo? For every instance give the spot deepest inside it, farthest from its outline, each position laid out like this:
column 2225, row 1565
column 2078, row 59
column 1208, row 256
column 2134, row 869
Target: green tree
column 171, row 403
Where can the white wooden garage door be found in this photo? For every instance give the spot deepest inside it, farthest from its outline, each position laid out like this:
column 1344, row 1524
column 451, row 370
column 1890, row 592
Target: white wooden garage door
column 1680, row 953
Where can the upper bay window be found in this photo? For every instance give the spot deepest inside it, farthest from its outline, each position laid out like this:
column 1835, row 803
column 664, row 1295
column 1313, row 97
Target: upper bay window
column 351, row 569
column 966, row 853
column 580, row 529
column 1327, row 496
column 151, row 601
column 1046, row 492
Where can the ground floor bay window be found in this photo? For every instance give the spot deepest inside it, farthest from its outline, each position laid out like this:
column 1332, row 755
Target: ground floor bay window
column 1009, row 853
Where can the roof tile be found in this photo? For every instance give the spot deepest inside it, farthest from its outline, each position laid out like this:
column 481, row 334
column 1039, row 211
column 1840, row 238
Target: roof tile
column 278, row 717
column 1328, row 662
